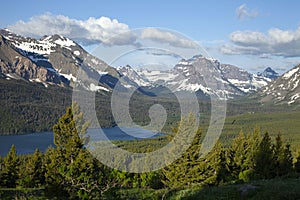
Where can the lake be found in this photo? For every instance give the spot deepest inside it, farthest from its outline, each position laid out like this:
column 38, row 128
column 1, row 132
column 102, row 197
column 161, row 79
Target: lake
column 27, row 143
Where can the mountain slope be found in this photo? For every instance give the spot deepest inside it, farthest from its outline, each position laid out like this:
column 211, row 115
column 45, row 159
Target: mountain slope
column 15, row 65
column 284, row 90
column 58, row 56
column 205, row 76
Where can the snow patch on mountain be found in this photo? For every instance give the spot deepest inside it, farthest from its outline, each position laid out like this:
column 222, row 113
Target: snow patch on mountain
column 95, row 88
column 42, row 48
column 77, row 53
column 285, row 89
column 290, row 73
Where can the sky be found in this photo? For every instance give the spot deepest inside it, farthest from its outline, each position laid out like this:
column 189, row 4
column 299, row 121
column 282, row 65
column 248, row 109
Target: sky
column 250, row 34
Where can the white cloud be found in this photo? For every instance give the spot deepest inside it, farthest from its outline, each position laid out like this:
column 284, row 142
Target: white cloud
column 92, row 30
column 96, row 30
column 276, row 42
column 167, row 37
column 243, row 12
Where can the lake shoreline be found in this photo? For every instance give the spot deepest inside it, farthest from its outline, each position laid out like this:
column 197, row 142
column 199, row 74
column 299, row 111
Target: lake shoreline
column 27, row 143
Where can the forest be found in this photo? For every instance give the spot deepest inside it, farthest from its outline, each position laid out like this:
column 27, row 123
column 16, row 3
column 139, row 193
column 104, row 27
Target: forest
column 69, row 171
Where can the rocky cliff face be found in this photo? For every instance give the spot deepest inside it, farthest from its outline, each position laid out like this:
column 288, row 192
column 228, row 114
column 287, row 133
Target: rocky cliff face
column 15, row 65
column 53, row 60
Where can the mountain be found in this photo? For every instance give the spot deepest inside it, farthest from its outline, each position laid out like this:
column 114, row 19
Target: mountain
column 57, row 60
column 53, row 60
column 131, row 76
column 269, row 73
column 37, row 78
column 284, row 90
column 14, row 64
column 205, row 76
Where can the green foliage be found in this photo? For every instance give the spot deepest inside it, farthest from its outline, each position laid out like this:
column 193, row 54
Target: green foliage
column 1, row 171
column 10, row 169
column 237, row 155
column 297, row 163
column 71, row 171
column 264, row 159
column 282, row 157
column 276, row 189
column 32, row 173
column 138, row 180
column 247, row 175
column 217, row 166
column 30, row 107
column 186, row 170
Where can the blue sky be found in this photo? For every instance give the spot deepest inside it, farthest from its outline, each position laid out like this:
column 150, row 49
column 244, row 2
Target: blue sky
column 250, row 34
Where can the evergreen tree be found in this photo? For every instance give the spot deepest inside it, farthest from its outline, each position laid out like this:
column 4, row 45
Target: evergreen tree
column 286, row 161
column 237, row 155
column 253, row 141
column 283, row 157
column 32, row 175
column 11, row 168
column 297, row 163
column 70, row 168
column 187, row 170
column 278, row 151
column 264, row 163
column 217, row 170
column 1, row 172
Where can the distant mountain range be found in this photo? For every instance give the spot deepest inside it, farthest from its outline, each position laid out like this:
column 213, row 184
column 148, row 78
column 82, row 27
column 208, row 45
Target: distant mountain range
column 198, row 73
column 55, row 60
column 37, row 77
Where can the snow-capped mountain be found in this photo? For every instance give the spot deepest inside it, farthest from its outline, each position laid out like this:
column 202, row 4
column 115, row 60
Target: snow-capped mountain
column 246, row 81
column 52, row 60
column 202, row 75
column 285, row 89
column 269, row 73
column 56, row 60
column 129, row 74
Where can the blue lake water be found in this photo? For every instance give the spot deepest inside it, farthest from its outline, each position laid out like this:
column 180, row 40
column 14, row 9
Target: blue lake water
column 27, row 143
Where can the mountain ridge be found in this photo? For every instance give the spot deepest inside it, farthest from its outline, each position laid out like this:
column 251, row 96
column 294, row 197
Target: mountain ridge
column 184, row 76
column 56, row 60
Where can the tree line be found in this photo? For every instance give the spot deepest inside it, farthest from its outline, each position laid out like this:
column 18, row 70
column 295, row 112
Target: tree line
column 69, row 171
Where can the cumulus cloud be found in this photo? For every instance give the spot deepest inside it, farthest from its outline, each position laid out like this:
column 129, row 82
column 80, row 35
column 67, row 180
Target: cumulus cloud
column 276, row 42
column 93, row 30
column 167, row 37
column 243, row 12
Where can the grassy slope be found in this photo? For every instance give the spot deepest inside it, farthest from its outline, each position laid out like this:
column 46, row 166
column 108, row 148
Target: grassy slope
column 275, row 189
column 285, row 123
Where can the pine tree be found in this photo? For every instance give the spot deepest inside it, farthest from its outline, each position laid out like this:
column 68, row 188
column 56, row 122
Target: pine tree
column 33, row 173
column 253, row 141
column 286, row 161
column 70, row 169
column 264, row 163
column 278, row 151
column 1, row 172
column 297, row 163
column 187, row 169
column 237, row 155
column 217, row 170
column 11, row 168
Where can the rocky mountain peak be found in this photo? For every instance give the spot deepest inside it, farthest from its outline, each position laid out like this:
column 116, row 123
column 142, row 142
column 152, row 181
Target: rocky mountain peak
column 269, row 73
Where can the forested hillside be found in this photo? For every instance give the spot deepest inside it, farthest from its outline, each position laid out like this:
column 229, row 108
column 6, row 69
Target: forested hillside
column 70, row 171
